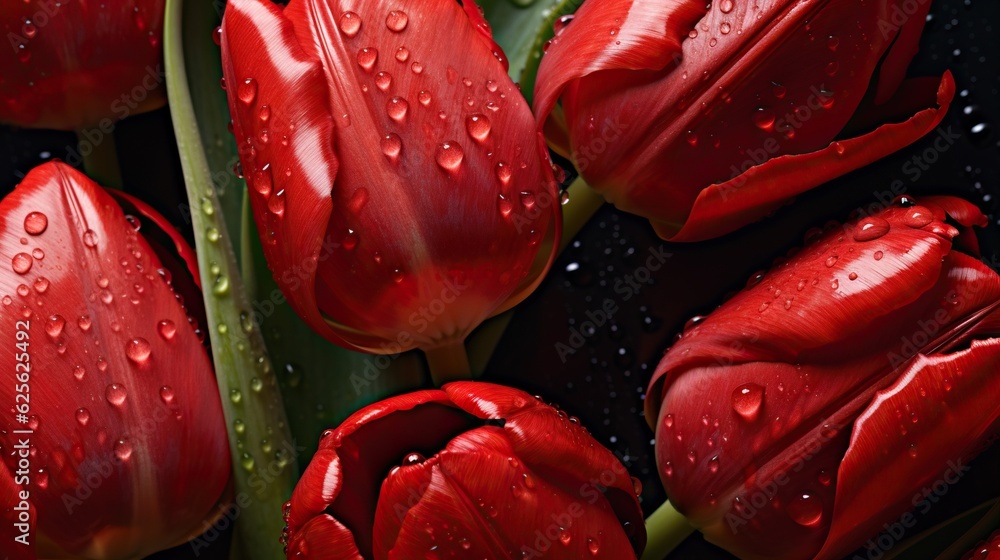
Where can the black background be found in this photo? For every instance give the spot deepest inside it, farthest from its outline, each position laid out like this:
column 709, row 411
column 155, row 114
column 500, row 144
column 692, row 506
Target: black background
column 604, row 382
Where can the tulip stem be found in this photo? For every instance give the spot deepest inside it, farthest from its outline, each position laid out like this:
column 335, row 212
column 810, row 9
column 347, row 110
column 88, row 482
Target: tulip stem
column 100, row 159
column 448, row 363
column 665, row 530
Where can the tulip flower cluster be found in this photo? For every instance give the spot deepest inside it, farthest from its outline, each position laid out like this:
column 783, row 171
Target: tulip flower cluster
column 402, row 190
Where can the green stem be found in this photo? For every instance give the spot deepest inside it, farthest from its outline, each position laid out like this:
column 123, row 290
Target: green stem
column 666, row 529
column 262, row 450
column 100, row 159
column 583, row 204
column 448, row 363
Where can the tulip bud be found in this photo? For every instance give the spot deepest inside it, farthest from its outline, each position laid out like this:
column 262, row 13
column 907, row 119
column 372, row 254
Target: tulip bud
column 400, row 191
column 74, row 64
column 713, row 119
column 112, row 439
column 473, row 470
column 823, row 402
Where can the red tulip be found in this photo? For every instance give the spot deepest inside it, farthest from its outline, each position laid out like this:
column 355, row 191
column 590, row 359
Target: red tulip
column 400, row 190
column 473, row 470
column 128, row 448
column 706, row 121
column 814, row 408
column 72, row 64
column 986, row 550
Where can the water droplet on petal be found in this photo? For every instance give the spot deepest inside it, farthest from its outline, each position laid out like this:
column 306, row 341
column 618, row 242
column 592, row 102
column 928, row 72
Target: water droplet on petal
column 167, row 329
column 123, row 449
column 115, row 394
column 247, row 91
column 392, row 144
column 367, row 57
column 35, row 223
column 137, row 350
column 806, row 510
column 413, row 459
column 90, row 238
column 478, row 126
column 918, row 217
column 396, row 108
column 725, row 28
column 349, row 23
column 396, row 20
column 830, row 261
column 21, row 263
column 82, row 416
column 424, row 98
column 870, row 228
column 747, row 399
column 166, row 394
column 763, row 118
column 449, row 156
column 54, row 326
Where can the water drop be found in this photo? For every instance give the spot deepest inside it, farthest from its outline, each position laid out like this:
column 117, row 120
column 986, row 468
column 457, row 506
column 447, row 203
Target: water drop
column 725, row 28
column 413, row 459
column 236, row 396
column 166, row 394
column 424, row 98
column 402, row 54
column 21, row 263
column 137, row 350
column 396, row 108
column 763, row 118
column 35, row 223
column 806, row 510
column 115, row 394
column 349, row 23
column 392, row 144
column 167, row 329
column 54, row 325
column 746, row 400
column 90, row 238
column 478, row 126
column 417, row 67
column 396, row 20
column 870, row 228
column 123, row 449
column 449, row 156
column 383, row 80
column 247, row 91
column 41, row 284
column 503, row 172
column 82, row 416
column 918, row 217
column 830, row 261
column 367, row 57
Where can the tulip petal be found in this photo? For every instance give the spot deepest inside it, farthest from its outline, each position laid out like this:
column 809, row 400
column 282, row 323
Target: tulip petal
column 954, row 401
column 646, row 35
column 567, row 455
column 124, row 399
column 423, row 134
column 749, row 196
column 324, row 538
column 402, row 489
column 288, row 157
column 511, row 508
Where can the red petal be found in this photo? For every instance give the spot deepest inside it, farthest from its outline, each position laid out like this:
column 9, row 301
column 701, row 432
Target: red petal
column 568, row 452
column 647, row 36
column 94, row 404
column 401, row 490
column 986, row 550
column 386, row 255
column 324, row 538
column 74, row 65
column 952, row 404
column 725, row 207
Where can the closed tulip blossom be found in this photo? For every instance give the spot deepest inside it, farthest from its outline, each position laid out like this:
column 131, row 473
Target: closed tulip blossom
column 814, row 408
column 73, row 64
column 112, row 439
column 400, row 190
column 473, row 470
column 706, row 120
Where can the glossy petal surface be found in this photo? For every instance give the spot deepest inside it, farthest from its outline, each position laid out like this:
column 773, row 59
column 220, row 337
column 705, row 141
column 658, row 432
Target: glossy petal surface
column 718, row 118
column 474, row 470
column 130, row 446
column 401, row 191
column 73, row 64
column 815, row 402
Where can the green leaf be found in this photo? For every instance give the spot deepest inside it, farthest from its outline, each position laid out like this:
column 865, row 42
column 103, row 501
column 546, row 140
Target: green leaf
column 262, row 449
column 322, row 383
column 522, row 30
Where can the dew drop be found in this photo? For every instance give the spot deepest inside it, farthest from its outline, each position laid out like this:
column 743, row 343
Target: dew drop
column 478, row 126
column 918, row 217
column 54, row 326
column 746, row 400
column 852, row 276
column 870, row 228
column 417, row 67
column 725, row 28
column 396, row 108
column 167, row 329
column 424, row 98
column 402, row 54
column 137, row 350
column 830, row 261
column 806, row 510
column 503, row 172
column 79, row 372
column 449, row 156
column 82, row 416
column 166, row 394
column 115, row 394
column 367, row 57
column 396, row 20
column 763, row 118
column 90, row 238
column 35, row 223
column 41, row 284
column 21, row 263
column 123, row 449
column 413, row 459
column 247, row 91
column 504, row 205
column 349, row 23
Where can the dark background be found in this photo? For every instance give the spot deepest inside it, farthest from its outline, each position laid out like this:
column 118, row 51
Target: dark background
column 604, row 382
